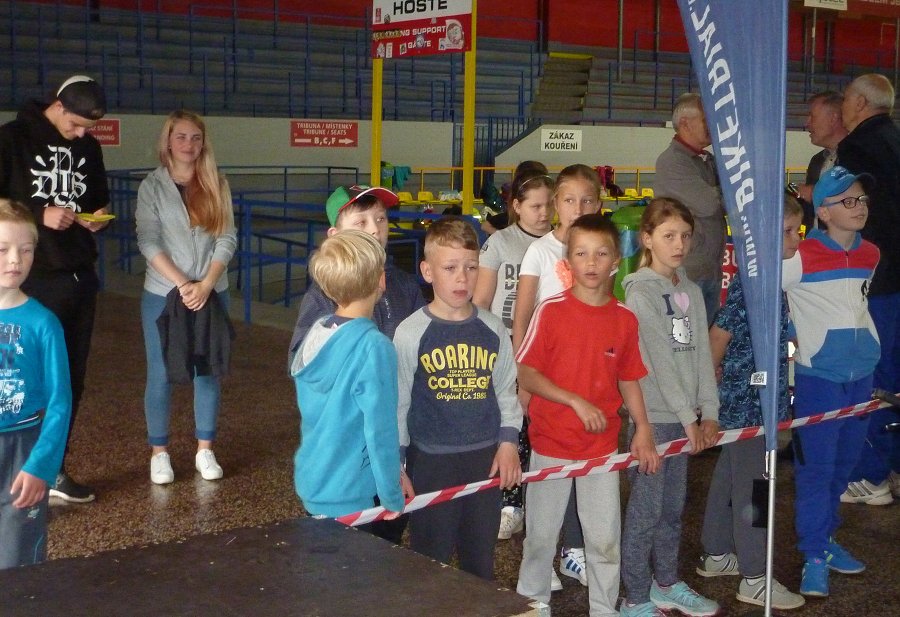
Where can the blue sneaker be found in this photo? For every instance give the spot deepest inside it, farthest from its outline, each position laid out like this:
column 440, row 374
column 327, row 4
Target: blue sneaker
column 647, row 609
column 814, row 580
column 840, row 560
column 681, row 597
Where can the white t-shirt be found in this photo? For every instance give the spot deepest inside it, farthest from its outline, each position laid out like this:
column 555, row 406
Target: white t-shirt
column 503, row 253
column 544, row 259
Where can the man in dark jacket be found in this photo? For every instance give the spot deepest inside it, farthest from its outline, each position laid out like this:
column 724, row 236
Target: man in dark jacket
column 873, row 146
column 49, row 163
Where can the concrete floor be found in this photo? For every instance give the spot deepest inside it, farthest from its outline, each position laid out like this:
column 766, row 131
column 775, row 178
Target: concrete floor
column 258, row 433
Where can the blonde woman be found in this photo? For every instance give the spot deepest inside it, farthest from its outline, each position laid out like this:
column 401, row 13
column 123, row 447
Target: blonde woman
column 185, row 230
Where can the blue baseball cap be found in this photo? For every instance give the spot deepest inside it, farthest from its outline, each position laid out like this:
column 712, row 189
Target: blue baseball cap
column 835, row 181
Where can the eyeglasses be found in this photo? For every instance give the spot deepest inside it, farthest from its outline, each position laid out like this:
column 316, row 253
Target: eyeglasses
column 851, row 202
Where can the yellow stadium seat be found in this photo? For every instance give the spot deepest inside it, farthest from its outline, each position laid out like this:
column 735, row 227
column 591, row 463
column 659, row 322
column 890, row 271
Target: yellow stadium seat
column 405, row 196
column 647, row 193
column 631, row 193
column 425, row 196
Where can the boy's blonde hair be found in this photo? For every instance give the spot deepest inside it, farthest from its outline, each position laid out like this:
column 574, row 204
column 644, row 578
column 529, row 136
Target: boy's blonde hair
column 451, row 231
column 348, row 266
column 12, row 211
column 792, row 207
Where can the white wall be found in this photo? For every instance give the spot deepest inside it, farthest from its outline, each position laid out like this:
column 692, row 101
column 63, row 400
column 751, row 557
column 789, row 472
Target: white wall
column 626, row 146
column 266, row 141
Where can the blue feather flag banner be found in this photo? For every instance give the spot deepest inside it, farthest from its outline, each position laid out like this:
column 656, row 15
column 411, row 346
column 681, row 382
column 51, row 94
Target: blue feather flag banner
column 739, row 52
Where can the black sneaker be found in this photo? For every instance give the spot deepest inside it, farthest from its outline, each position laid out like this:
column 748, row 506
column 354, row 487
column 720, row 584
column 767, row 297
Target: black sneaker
column 69, row 490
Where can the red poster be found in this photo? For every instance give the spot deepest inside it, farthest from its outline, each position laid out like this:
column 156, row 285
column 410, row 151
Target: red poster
column 107, row 131
column 324, row 134
column 729, row 269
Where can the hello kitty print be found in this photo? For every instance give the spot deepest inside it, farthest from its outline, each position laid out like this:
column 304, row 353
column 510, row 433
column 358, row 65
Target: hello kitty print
column 682, row 335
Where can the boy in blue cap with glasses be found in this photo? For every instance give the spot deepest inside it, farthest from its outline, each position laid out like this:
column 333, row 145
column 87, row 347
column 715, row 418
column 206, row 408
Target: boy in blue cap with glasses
column 826, row 283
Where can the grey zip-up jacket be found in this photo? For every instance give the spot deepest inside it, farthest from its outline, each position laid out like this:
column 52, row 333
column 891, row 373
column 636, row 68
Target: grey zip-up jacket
column 674, row 344
column 163, row 226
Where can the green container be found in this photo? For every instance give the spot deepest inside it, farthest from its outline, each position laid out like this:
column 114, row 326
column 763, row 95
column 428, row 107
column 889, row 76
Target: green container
column 628, row 220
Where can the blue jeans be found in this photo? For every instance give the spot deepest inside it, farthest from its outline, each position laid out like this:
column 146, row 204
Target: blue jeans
column 824, row 456
column 881, row 452
column 158, row 393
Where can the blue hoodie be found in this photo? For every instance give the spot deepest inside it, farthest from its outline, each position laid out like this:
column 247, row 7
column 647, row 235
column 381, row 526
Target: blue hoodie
column 347, row 394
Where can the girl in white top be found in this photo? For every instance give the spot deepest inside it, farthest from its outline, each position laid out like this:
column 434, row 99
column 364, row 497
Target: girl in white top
column 501, row 254
column 543, row 272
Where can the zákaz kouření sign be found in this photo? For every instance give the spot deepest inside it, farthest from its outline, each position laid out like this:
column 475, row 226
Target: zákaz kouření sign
column 561, row 140
column 402, row 28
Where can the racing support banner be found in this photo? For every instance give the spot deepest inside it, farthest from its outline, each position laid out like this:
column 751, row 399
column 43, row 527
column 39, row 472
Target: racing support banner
column 739, row 52
column 403, row 28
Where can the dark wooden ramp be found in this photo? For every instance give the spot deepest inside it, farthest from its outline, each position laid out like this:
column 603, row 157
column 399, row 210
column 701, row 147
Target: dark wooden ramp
column 300, row 567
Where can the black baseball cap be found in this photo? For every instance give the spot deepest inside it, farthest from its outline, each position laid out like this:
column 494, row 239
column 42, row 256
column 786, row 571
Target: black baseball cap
column 82, row 96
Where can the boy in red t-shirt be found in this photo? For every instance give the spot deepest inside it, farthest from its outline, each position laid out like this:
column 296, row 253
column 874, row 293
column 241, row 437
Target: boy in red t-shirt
column 579, row 377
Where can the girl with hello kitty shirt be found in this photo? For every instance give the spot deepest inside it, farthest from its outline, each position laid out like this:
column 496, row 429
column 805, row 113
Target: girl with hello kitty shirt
column 682, row 400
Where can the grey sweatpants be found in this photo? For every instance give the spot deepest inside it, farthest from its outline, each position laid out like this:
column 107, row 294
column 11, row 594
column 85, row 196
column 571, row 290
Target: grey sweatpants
column 653, row 521
column 23, row 531
column 728, row 522
column 598, row 502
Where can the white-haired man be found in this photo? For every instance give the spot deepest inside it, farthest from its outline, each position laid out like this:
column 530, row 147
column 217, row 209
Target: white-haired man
column 686, row 171
column 873, row 146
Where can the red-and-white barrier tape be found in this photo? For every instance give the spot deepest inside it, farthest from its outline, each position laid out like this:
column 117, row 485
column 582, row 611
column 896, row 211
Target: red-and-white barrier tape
column 613, row 462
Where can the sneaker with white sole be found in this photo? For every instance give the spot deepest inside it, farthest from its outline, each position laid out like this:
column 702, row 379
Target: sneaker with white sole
column 161, row 469
column 894, row 479
column 647, row 609
column 867, row 493
column 682, row 598
column 512, row 521
column 814, row 579
column 571, row 563
column 206, row 464
column 753, row 591
column 718, row 565
column 69, row 490
column 555, row 583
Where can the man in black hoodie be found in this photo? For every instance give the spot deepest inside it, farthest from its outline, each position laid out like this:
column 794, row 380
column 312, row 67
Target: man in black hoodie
column 49, row 163
column 873, row 147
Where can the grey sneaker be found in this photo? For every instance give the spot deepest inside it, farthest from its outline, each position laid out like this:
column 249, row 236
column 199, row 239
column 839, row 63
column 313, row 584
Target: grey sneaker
column 718, row 565
column 753, row 591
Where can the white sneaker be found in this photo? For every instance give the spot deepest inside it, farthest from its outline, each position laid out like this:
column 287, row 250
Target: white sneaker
column 718, row 565
column 555, row 583
column 894, row 479
column 753, row 591
column 571, row 563
column 206, row 464
column 867, row 493
column 512, row 521
column 161, row 469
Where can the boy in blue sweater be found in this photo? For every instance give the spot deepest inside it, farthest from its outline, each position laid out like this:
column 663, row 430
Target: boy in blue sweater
column 345, row 371
column 35, row 396
column 458, row 410
column 826, row 283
